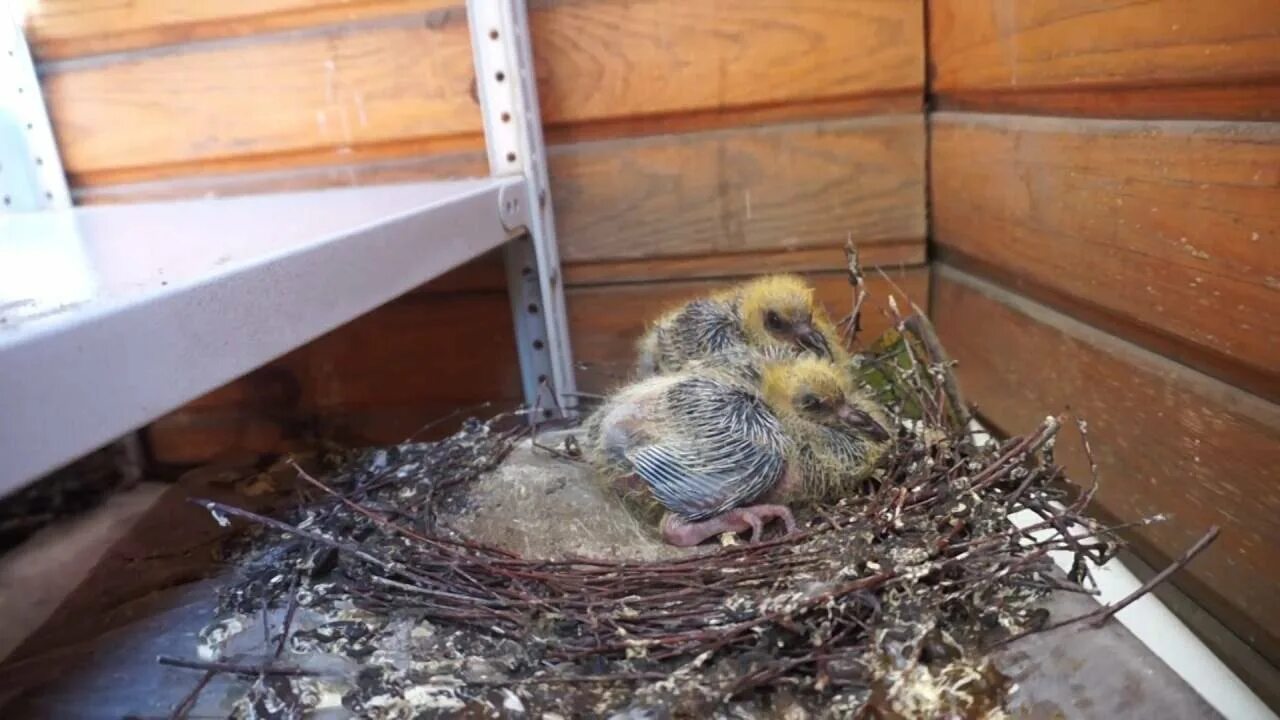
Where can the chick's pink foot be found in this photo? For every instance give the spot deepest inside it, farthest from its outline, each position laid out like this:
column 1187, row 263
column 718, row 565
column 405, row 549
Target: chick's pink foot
column 684, row 533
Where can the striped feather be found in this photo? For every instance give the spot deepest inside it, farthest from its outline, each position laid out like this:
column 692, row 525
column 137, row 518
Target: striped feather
column 724, row 449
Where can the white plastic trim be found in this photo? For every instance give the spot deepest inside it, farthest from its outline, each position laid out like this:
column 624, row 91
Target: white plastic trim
column 1155, row 626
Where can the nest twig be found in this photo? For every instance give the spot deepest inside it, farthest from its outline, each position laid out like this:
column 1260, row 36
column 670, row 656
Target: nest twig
column 908, row 583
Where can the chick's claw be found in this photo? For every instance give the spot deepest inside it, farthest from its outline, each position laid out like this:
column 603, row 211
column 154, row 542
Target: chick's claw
column 765, row 513
column 685, row 533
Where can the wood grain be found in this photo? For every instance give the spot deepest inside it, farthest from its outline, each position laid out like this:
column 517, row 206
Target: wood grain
column 1166, row 233
column 1254, row 101
column 606, row 321
column 1016, row 46
column 332, row 90
column 704, row 204
column 59, row 29
column 405, row 80
column 1167, row 439
column 788, row 186
column 357, row 169
column 625, row 58
column 904, row 253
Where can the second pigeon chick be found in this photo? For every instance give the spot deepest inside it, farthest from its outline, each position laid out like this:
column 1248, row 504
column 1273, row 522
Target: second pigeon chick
column 721, row 446
column 775, row 312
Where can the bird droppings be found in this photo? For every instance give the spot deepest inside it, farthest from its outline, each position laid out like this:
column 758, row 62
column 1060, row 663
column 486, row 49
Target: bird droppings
column 433, row 580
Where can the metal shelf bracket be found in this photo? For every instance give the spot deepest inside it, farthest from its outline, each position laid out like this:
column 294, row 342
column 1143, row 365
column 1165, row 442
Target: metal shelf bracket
column 31, row 176
column 507, row 87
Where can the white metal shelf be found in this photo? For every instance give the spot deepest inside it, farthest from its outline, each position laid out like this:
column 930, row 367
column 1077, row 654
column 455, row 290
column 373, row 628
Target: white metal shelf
column 111, row 316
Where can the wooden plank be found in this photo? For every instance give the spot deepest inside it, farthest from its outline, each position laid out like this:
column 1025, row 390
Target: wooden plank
column 382, row 377
column 908, row 101
column 59, row 29
column 703, row 198
column 403, row 80
column 905, row 253
column 356, row 169
column 617, row 59
column 1255, row 101
column 1167, row 439
column 606, row 321
column 331, row 90
column 1165, row 233
column 983, row 49
column 375, row 379
column 788, row 186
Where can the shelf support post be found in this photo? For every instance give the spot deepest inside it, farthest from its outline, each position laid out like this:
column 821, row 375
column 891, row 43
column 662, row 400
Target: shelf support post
column 507, row 88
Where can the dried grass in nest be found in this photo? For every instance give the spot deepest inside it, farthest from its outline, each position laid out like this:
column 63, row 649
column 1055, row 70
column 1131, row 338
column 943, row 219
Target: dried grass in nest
column 886, row 605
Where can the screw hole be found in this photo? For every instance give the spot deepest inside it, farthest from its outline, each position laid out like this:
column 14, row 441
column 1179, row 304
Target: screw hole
column 30, row 126
column 48, row 195
column 500, row 76
column 39, row 161
column 527, row 271
column 511, row 157
column 546, row 413
column 533, row 308
column 493, row 34
column 7, row 200
column 542, row 379
column 506, row 117
column 538, row 344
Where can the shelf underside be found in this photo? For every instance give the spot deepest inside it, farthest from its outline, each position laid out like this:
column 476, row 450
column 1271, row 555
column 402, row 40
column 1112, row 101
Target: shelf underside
column 111, row 316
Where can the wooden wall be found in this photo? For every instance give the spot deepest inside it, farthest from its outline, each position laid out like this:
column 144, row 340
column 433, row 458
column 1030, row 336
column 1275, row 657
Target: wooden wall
column 1105, row 195
column 691, row 143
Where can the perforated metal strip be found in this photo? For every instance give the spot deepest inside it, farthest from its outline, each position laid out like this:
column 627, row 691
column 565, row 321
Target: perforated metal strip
column 507, row 87
column 31, row 176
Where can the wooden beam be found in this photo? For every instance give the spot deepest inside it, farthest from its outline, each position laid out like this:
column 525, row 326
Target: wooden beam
column 753, row 189
column 710, row 204
column 1167, row 439
column 889, row 255
column 1252, row 101
column 1162, row 58
column 273, row 98
column 1162, row 232
column 60, row 29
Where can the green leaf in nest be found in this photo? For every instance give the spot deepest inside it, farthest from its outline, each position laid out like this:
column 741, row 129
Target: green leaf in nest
column 886, row 369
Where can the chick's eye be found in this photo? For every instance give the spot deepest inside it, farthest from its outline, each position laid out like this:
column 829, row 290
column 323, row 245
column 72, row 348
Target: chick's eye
column 810, row 402
column 772, row 320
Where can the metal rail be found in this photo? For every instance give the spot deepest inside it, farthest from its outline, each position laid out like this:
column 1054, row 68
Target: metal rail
column 508, row 91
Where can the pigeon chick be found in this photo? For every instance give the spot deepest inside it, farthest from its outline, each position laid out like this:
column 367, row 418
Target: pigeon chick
column 715, row 443
column 775, row 311
column 836, row 433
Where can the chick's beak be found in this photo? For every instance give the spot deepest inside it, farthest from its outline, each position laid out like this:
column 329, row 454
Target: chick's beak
column 812, row 340
column 862, row 422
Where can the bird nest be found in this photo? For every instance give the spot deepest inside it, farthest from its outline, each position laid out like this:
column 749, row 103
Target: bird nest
column 885, row 604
